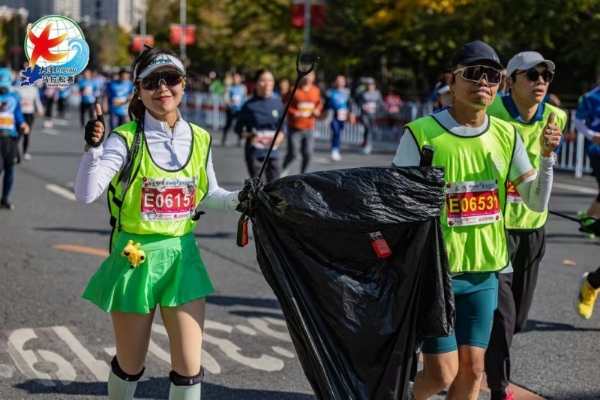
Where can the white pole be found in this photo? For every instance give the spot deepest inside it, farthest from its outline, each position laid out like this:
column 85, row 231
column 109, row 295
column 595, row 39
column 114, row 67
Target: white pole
column 143, row 24
column 306, row 26
column 182, row 9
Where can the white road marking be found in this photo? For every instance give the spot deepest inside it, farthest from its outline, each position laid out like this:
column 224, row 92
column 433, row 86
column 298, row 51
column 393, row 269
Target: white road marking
column 262, row 324
column 99, row 368
column 26, row 360
column 282, row 352
column 111, row 351
column 208, row 362
column 61, row 191
column 246, row 329
column 231, row 350
column 65, row 373
column 574, row 188
column 50, row 131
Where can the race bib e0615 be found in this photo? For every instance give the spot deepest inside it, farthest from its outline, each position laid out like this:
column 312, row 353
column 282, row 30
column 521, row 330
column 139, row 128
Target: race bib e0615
column 472, row 203
column 168, row 199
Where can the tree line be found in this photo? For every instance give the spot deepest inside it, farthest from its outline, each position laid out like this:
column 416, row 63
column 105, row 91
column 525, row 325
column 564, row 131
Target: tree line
column 406, row 42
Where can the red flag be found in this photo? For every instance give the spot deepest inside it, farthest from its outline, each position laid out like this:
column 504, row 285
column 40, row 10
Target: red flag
column 317, row 13
column 175, row 34
column 137, row 43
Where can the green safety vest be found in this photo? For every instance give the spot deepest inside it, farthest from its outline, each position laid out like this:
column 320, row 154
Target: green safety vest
column 476, row 171
column 517, row 215
column 157, row 201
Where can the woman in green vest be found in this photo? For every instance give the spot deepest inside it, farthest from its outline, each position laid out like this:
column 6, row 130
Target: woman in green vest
column 480, row 155
column 529, row 76
column 158, row 169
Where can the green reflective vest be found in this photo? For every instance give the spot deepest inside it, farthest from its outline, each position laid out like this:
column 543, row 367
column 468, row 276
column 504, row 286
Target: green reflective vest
column 517, row 215
column 476, row 171
column 157, row 201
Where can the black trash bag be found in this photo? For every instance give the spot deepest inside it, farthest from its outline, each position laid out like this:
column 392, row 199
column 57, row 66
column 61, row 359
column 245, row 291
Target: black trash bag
column 355, row 311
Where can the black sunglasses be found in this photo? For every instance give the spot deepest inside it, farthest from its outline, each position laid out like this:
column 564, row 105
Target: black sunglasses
column 153, row 81
column 533, row 75
column 475, row 73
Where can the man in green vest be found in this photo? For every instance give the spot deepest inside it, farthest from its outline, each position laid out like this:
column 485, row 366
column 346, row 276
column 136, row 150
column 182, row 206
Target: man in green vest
column 480, row 154
column 528, row 78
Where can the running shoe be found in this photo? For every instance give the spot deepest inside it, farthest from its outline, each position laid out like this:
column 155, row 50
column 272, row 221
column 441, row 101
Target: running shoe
column 510, row 395
column 586, row 298
column 6, row 205
column 335, row 155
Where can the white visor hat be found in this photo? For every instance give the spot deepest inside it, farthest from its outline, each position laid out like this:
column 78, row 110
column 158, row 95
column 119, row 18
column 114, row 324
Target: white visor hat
column 163, row 60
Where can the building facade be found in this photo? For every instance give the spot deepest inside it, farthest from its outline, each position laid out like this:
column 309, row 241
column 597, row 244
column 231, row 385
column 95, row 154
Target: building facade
column 125, row 13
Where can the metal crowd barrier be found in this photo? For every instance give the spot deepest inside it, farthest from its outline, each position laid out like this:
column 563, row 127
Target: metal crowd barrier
column 209, row 110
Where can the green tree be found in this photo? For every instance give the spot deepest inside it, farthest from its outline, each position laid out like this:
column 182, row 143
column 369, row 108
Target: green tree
column 3, row 39
column 112, row 46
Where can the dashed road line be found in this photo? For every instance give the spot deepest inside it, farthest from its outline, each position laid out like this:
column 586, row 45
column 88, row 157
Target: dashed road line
column 61, row 191
column 574, row 188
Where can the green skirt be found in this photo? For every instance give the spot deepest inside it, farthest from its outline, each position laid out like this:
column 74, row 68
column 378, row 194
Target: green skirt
column 172, row 274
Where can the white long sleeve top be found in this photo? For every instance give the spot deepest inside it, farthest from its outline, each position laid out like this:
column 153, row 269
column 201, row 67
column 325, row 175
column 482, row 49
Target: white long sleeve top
column 169, row 150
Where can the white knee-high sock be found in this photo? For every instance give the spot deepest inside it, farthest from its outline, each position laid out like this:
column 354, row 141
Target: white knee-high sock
column 118, row 389
column 185, row 392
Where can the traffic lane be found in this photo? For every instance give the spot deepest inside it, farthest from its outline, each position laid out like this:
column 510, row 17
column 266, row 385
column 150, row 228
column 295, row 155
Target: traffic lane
column 557, row 354
column 54, row 296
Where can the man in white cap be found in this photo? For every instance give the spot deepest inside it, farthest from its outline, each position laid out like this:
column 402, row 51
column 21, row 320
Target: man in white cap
column 528, row 78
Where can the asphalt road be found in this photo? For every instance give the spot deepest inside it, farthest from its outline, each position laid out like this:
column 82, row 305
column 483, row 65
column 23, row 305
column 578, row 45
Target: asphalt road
column 54, row 345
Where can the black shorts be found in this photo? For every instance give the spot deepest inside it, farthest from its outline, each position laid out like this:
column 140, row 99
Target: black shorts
column 9, row 150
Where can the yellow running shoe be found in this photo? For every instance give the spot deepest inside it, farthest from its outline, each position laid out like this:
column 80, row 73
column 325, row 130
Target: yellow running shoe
column 586, row 298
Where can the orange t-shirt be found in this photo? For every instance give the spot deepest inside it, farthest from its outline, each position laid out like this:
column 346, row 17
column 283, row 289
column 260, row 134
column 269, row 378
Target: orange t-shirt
column 301, row 112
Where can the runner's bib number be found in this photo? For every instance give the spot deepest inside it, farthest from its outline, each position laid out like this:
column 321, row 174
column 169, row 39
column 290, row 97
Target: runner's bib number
column 512, row 194
column 370, row 107
column 342, row 114
column 7, row 121
column 263, row 139
column 472, row 203
column 171, row 199
column 305, row 109
column 117, row 101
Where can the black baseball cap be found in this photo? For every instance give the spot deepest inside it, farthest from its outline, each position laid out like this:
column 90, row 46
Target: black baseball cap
column 475, row 51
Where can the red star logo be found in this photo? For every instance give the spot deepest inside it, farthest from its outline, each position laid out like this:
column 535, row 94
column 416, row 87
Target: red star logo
column 42, row 45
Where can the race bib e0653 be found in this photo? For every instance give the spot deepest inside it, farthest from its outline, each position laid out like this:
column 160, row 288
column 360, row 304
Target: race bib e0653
column 168, row 199
column 472, row 203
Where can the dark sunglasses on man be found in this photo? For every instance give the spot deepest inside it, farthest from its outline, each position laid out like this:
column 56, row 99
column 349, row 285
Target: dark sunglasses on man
column 533, row 75
column 475, row 73
column 153, row 81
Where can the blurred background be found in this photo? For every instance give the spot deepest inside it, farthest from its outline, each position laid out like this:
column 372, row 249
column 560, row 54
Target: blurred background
column 407, row 43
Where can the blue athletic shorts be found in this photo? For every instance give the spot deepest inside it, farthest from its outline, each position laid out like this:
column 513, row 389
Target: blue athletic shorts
column 476, row 298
